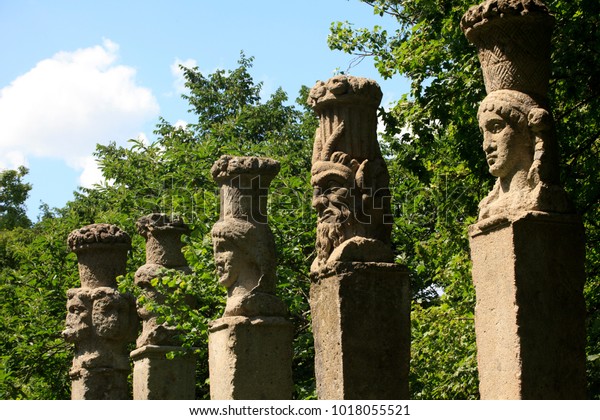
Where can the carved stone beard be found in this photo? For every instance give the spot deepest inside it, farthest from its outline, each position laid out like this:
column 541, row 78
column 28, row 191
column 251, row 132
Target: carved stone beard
column 333, row 226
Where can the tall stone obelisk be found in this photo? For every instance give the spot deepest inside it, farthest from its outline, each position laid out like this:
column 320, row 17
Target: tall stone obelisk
column 360, row 299
column 250, row 347
column 101, row 321
column 528, row 244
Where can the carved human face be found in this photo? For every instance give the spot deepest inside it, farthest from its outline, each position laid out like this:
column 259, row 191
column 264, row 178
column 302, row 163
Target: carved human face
column 79, row 320
column 507, row 147
column 110, row 315
column 331, row 200
column 229, row 263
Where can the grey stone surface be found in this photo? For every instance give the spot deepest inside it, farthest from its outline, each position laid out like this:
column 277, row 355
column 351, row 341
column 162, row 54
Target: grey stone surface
column 349, row 177
column 156, row 376
column 250, row 358
column 159, row 377
column 361, row 328
column 519, row 137
column 163, row 255
column 528, row 246
column 530, row 312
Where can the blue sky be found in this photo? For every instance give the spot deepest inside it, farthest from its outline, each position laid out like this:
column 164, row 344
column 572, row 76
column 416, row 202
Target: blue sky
column 78, row 73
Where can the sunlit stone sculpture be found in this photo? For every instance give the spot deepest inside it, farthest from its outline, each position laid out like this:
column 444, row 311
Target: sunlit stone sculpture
column 101, row 321
column 360, row 299
column 528, row 245
column 157, row 375
column 349, row 177
column 250, row 346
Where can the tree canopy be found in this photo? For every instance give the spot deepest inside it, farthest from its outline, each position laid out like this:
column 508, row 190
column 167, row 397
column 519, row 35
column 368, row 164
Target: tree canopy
column 13, row 193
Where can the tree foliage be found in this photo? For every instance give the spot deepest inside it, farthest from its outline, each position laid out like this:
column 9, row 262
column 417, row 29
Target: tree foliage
column 435, row 150
column 13, row 193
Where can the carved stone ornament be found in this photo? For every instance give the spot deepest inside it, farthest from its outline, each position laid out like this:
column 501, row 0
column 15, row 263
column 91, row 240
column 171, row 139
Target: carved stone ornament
column 101, row 254
column 513, row 41
column 100, row 322
column 243, row 242
column 349, row 176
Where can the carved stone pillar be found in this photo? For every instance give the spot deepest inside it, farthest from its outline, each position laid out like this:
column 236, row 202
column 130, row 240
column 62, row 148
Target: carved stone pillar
column 360, row 299
column 100, row 320
column 156, row 376
column 250, row 347
column 527, row 247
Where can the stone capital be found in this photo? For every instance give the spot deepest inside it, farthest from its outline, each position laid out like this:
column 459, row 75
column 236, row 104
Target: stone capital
column 513, row 40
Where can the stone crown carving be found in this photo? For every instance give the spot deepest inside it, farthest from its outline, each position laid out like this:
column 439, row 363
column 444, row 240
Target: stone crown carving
column 97, row 235
column 231, row 166
column 345, row 89
column 513, row 40
column 157, row 222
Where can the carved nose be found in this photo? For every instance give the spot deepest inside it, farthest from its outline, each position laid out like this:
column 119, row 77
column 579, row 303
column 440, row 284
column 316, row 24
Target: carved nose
column 488, row 144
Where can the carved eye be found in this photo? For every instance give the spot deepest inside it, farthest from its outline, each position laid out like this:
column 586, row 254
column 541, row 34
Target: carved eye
column 495, row 126
column 76, row 310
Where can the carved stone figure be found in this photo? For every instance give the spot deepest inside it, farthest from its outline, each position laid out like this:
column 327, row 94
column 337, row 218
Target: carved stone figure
column 101, row 253
column 163, row 252
column 360, row 300
column 527, row 248
column 243, row 242
column 250, row 347
column 513, row 40
column 349, row 177
column 101, row 321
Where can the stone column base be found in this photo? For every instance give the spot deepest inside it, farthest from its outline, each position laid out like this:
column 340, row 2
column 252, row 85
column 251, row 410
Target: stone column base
column 99, row 384
column 361, row 327
column 530, row 311
column 250, row 358
column 156, row 377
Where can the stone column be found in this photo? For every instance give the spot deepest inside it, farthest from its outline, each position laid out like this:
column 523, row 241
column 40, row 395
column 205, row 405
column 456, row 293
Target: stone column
column 250, row 347
column 527, row 247
column 100, row 320
column 360, row 299
column 155, row 375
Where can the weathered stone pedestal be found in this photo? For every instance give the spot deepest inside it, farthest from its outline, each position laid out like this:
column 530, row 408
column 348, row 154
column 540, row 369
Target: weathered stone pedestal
column 99, row 384
column 530, row 312
column 361, row 327
column 157, row 377
column 250, row 358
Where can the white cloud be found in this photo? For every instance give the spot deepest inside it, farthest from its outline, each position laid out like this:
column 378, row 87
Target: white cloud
column 91, row 173
column 12, row 160
column 177, row 72
column 68, row 103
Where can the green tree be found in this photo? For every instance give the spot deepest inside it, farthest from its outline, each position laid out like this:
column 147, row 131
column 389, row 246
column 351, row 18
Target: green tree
column 440, row 174
column 13, row 193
